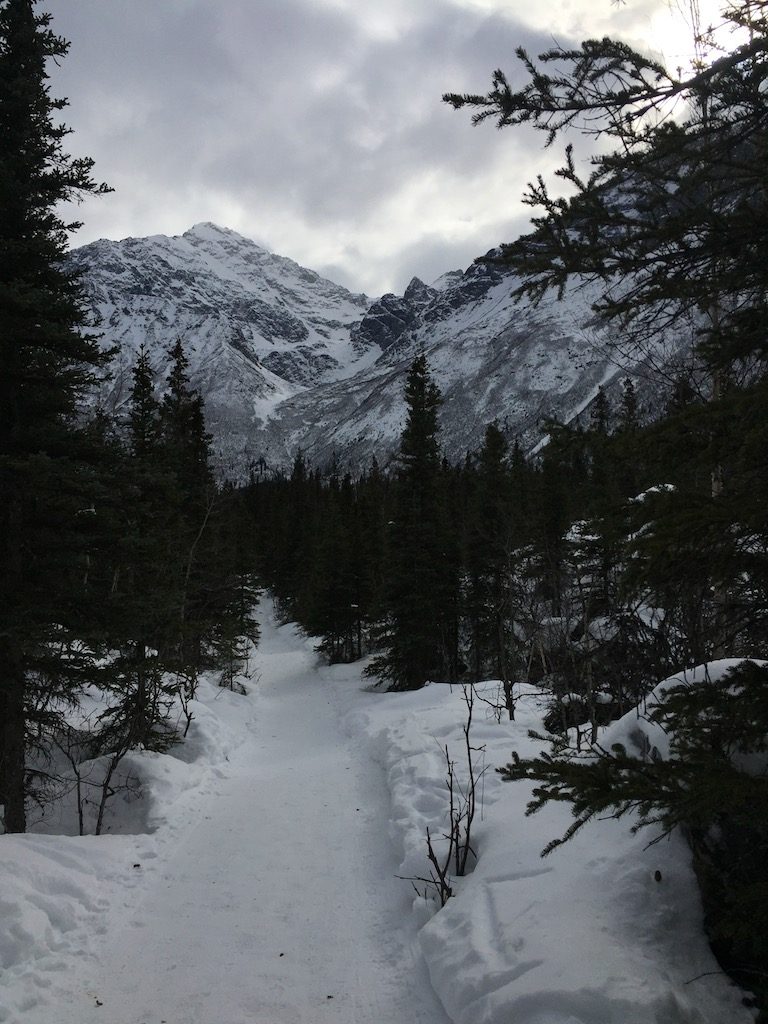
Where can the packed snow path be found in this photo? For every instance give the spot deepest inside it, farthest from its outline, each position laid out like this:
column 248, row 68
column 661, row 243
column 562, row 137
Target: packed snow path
column 277, row 903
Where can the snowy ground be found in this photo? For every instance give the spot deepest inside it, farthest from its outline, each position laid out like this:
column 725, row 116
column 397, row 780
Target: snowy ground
column 263, row 888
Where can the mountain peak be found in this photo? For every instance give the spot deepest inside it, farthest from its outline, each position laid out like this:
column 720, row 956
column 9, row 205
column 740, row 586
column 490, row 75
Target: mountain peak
column 207, row 231
column 418, row 293
column 447, row 280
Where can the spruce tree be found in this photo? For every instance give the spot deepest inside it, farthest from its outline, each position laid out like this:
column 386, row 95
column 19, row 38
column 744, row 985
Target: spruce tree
column 422, row 580
column 186, row 455
column 230, row 547
column 713, row 785
column 49, row 359
column 146, row 589
column 671, row 225
column 143, row 411
column 490, row 544
column 332, row 612
column 628, row 412
column 186, row 442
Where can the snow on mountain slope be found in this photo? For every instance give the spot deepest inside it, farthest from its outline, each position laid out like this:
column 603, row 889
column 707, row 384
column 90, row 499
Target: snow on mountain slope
column 286, row 359
column 491, row 357
column 257, row 326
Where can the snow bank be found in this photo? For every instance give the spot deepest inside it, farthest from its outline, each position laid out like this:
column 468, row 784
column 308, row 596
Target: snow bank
column 60, row 894
column 606, row 930
column 641, row 737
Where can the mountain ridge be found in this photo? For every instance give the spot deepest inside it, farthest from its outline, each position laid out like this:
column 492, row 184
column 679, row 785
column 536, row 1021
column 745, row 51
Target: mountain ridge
column 286, row 359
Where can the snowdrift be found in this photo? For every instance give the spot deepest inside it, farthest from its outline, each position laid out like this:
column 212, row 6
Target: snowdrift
column 605, row 930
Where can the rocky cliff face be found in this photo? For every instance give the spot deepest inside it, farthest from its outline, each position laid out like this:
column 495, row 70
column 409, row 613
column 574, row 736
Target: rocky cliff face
column 289, row 360
column 492, row 359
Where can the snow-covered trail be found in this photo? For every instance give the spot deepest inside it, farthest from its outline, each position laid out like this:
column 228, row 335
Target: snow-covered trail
column 252, row 880
column 275, row 902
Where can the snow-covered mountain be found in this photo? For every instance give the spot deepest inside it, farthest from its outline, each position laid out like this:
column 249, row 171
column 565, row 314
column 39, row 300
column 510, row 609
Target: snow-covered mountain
column 288, row 360
column 257, row 327
column 491, row 358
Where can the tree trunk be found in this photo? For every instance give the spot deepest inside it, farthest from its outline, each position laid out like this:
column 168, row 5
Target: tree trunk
column 12, row 731
column 719, row 588
column 501, row 650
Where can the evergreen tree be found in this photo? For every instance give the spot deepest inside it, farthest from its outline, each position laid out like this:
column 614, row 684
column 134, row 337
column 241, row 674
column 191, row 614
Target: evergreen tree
column 671, row 229
column 334, row 607
column 144, row 411
column 422, row 585
column 295, row 535
column 555, row 499
column 600, row 412
column 48, row 360
column 146, row 588
column 186, row 442
column 186, row 457
column 490, row 544
column 231, row 549
column 628, row 412
column 625, row 450
column 709, row 786
column 671, row 225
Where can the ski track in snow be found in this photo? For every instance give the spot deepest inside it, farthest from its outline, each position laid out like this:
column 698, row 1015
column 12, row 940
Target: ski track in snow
column 274, row 899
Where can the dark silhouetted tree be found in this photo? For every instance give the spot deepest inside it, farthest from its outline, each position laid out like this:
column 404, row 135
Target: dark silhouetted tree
column 422, row 583
column 48, row 360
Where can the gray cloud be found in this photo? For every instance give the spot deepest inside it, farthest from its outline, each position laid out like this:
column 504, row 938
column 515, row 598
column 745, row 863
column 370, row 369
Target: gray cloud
column 300, row 124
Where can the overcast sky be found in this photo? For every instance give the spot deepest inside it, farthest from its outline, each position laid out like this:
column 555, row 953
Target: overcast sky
column 316, row 127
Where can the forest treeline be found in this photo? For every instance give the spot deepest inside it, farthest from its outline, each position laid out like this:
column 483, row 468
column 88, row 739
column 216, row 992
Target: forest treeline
column 593, row 568
column 596, row 569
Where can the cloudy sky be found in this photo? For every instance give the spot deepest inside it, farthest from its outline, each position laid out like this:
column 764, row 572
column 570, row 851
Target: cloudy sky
column 316, row 127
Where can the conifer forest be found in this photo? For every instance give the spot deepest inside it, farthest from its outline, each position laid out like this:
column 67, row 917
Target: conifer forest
column 630, row 544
